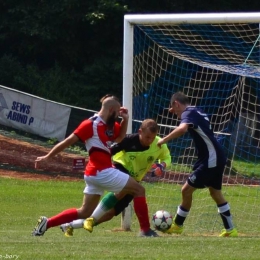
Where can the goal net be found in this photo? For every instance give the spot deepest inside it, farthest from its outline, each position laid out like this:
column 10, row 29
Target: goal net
column 214, row 59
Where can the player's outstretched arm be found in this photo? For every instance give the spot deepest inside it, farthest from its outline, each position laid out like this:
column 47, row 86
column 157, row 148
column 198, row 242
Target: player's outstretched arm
column 58, row 148
column 177, row 132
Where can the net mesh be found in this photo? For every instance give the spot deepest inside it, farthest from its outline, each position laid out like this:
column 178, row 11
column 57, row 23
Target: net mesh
column 217, row 66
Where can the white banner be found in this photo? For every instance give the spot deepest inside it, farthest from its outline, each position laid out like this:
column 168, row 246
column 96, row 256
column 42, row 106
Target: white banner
column 33, row 114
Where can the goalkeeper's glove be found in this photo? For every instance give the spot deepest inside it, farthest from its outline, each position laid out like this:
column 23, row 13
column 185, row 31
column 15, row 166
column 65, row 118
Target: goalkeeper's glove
column 158, row 169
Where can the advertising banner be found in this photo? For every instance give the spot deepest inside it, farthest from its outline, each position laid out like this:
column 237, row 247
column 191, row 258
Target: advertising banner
column 33, row 114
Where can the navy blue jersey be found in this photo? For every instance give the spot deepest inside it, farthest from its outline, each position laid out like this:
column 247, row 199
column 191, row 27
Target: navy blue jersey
column 210, row 152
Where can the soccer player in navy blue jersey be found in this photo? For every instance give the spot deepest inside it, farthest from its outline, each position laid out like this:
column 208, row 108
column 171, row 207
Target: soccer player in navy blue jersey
column 209, row 167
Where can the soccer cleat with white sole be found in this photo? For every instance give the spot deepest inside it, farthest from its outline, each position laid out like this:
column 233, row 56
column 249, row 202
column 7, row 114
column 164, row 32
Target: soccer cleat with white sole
column 40, row 227
column 67, row 229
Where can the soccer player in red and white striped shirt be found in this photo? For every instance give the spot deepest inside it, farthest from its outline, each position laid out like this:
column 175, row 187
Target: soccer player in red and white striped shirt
column 98, row 133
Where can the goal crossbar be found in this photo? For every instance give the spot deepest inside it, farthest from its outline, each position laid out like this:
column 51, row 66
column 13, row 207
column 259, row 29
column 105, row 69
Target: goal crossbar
column 195, row 18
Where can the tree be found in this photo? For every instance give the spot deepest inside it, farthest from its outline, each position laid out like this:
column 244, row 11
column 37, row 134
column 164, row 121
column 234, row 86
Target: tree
column 71, row 51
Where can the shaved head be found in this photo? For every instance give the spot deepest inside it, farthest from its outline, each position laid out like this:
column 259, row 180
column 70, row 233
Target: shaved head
column 110, row 102
column 110, row 109
column 108, row 96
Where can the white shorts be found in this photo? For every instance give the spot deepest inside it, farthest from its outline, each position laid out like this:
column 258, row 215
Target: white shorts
column 110, row 179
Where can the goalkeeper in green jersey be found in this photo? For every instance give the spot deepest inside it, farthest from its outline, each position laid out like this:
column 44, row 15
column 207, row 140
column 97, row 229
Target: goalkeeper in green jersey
column 136, row 155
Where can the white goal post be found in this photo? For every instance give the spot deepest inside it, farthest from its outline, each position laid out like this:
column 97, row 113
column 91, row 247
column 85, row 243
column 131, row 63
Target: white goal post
column 214, row 58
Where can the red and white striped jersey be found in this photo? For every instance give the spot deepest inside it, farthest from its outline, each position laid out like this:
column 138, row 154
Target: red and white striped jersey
column 98, row 138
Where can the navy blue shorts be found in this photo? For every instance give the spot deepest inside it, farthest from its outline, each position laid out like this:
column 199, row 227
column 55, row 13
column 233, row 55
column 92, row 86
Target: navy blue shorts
column 203, row 177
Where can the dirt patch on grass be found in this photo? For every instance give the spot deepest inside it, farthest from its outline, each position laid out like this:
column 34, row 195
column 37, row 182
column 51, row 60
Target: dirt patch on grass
column 17, row 160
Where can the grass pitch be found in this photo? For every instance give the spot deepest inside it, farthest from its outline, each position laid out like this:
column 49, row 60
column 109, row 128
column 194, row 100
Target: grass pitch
column 22, row 202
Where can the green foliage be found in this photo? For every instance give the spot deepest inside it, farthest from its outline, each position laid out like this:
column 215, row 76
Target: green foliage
column 56, row 84
column 72, row 51
column 78, row 150
column 63, row 50
column 52, row 141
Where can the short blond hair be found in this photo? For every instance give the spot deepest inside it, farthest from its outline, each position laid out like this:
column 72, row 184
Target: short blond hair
column 150, row 124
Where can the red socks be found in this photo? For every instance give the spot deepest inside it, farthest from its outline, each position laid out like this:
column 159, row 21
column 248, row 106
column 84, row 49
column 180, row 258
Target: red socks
column 140, row 207
column 65, row 216
column 141, row 211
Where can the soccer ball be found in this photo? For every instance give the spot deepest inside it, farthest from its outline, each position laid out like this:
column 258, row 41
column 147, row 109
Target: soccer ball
column 162, row 220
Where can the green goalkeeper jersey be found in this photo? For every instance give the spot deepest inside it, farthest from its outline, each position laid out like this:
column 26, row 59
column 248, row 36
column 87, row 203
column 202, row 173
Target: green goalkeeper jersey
column 137, row 159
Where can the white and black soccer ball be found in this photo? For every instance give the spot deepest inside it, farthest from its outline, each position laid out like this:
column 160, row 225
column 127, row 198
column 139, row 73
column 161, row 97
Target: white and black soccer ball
column 162, row 220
